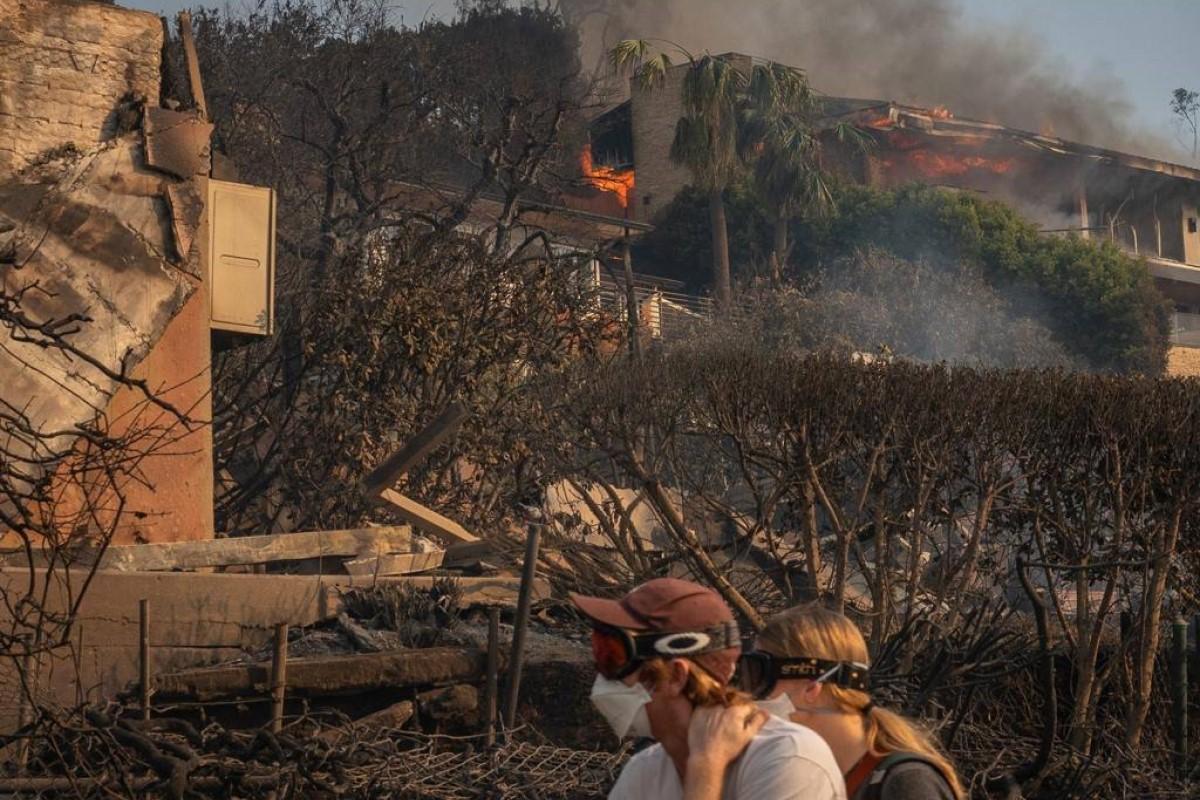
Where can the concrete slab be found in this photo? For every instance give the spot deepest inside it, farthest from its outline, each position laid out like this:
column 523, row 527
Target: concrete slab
column 177, row 142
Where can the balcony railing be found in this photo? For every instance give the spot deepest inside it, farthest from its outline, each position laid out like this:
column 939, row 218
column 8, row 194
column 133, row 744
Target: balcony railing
column 664, row 312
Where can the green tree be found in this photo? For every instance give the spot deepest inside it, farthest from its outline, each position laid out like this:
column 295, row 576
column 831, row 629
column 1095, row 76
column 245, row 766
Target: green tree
column 779, row 138
column 1099, row 303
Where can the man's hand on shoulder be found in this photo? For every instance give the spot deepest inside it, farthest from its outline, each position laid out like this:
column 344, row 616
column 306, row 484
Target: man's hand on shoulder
column 716, row 737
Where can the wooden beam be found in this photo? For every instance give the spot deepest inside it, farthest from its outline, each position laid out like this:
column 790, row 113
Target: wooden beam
column 427, row 519
column 193, row 63
column 255, row 549
column 415, row 451
column 325, row 675
column 395, row 564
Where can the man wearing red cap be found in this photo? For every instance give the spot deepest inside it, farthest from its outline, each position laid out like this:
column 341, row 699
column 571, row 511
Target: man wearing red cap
column 665, row 656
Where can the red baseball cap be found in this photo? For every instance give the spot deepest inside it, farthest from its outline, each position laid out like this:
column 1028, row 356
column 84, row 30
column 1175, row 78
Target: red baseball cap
column 667, row 605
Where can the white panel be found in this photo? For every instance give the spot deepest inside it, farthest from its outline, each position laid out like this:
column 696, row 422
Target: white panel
column 241, row 257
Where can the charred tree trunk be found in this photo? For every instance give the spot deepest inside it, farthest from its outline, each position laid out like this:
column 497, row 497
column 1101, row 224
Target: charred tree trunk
column 779, row 250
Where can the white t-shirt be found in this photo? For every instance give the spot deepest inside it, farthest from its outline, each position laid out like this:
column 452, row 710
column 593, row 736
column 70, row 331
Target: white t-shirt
column 785, row 761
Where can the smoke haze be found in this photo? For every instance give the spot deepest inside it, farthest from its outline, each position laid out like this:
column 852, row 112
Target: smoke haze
column 920, row 52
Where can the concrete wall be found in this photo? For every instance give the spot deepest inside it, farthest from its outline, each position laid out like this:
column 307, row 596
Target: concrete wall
column 63, row 63
column 1190, row 218
column 176, row 503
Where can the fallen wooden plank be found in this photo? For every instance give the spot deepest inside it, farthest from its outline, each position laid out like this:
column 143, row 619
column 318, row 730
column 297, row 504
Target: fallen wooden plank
column 420, row 446
column 427, row 519
column 395, row 563
column 253, row 549
column 330, row 675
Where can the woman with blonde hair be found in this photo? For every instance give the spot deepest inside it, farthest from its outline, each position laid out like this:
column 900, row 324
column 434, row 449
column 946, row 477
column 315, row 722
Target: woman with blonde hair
column 810, row 666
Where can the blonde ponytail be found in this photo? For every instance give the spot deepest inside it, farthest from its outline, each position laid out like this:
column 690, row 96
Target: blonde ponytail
column 814, row 631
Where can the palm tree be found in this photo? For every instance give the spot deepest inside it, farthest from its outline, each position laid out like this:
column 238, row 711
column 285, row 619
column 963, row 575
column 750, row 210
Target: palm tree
column 779, row 137
column 732, row 120
column 706, row 137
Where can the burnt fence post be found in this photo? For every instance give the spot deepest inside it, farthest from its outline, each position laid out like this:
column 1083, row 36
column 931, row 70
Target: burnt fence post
column 1179, row 694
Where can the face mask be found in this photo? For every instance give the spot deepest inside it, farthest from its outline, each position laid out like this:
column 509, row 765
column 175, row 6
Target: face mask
column 622, row 706
column 780, row 706
column 783, row 707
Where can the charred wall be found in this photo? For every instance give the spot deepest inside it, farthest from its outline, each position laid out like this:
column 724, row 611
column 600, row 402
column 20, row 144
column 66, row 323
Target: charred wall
column 101, row 207
column 63, row 64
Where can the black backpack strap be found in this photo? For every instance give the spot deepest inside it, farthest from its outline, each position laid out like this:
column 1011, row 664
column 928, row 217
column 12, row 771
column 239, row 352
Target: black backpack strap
column 874, row 787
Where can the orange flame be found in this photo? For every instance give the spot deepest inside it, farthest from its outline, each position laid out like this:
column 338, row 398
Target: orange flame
column 935, row 165
column 606, row 179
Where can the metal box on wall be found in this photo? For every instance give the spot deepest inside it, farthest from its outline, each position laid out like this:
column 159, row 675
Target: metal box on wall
column 241, row 252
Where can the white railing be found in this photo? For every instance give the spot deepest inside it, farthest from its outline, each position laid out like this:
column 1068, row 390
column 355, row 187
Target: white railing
column 664, row 313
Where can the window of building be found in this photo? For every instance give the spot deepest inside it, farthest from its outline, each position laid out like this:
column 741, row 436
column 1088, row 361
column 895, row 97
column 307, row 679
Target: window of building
column 1191, row 224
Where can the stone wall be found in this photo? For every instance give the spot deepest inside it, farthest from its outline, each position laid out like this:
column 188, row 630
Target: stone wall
column 654, row 114
column 64, row 67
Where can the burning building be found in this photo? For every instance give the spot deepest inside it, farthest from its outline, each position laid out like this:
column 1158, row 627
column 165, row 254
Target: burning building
column 1147, row 207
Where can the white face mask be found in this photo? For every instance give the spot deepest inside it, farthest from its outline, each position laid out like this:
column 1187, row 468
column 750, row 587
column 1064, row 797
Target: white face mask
column 780, row 706
column 783, row 707
column 622, row 706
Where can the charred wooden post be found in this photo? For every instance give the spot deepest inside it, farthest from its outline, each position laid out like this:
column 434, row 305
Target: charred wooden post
column 145, row 681
column 25, row 711
column 521, row 623
column 195, row 84
column 279, row 677
column 493, row 676
column 631, row 304
column 1179, row 686
column 425, row 442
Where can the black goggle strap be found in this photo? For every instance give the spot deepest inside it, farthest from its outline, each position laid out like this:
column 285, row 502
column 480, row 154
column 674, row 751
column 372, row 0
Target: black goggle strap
column 847, row 674
column 686, row 643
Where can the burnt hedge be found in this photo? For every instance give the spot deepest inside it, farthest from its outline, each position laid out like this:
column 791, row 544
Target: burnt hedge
column 915, row 496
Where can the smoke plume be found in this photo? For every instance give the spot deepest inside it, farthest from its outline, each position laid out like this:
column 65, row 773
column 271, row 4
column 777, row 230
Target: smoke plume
column 920, row 52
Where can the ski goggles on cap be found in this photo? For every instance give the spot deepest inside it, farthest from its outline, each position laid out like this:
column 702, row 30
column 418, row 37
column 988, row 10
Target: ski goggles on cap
column 758, row 672
column 618, row 652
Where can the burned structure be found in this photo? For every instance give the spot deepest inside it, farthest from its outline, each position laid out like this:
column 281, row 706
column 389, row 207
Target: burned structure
column 1147, row 207
column 106, row 211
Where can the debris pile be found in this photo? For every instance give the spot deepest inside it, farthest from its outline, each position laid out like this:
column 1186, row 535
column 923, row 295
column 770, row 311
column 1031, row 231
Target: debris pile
column 104, row 751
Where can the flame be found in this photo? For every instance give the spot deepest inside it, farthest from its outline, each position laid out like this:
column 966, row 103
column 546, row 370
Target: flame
column 934, row 165
column 606, row 179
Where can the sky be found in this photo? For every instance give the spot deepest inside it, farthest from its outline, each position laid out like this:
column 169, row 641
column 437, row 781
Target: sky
column 1149, row 46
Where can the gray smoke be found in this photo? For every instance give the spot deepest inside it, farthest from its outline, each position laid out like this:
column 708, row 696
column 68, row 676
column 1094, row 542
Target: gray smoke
column 920, row 52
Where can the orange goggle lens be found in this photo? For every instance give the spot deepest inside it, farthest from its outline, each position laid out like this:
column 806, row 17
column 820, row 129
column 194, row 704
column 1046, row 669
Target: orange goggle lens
column 612, row 654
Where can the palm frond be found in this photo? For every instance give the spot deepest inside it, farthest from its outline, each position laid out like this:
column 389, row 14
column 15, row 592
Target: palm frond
column 628, row 54
column 632, row 55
